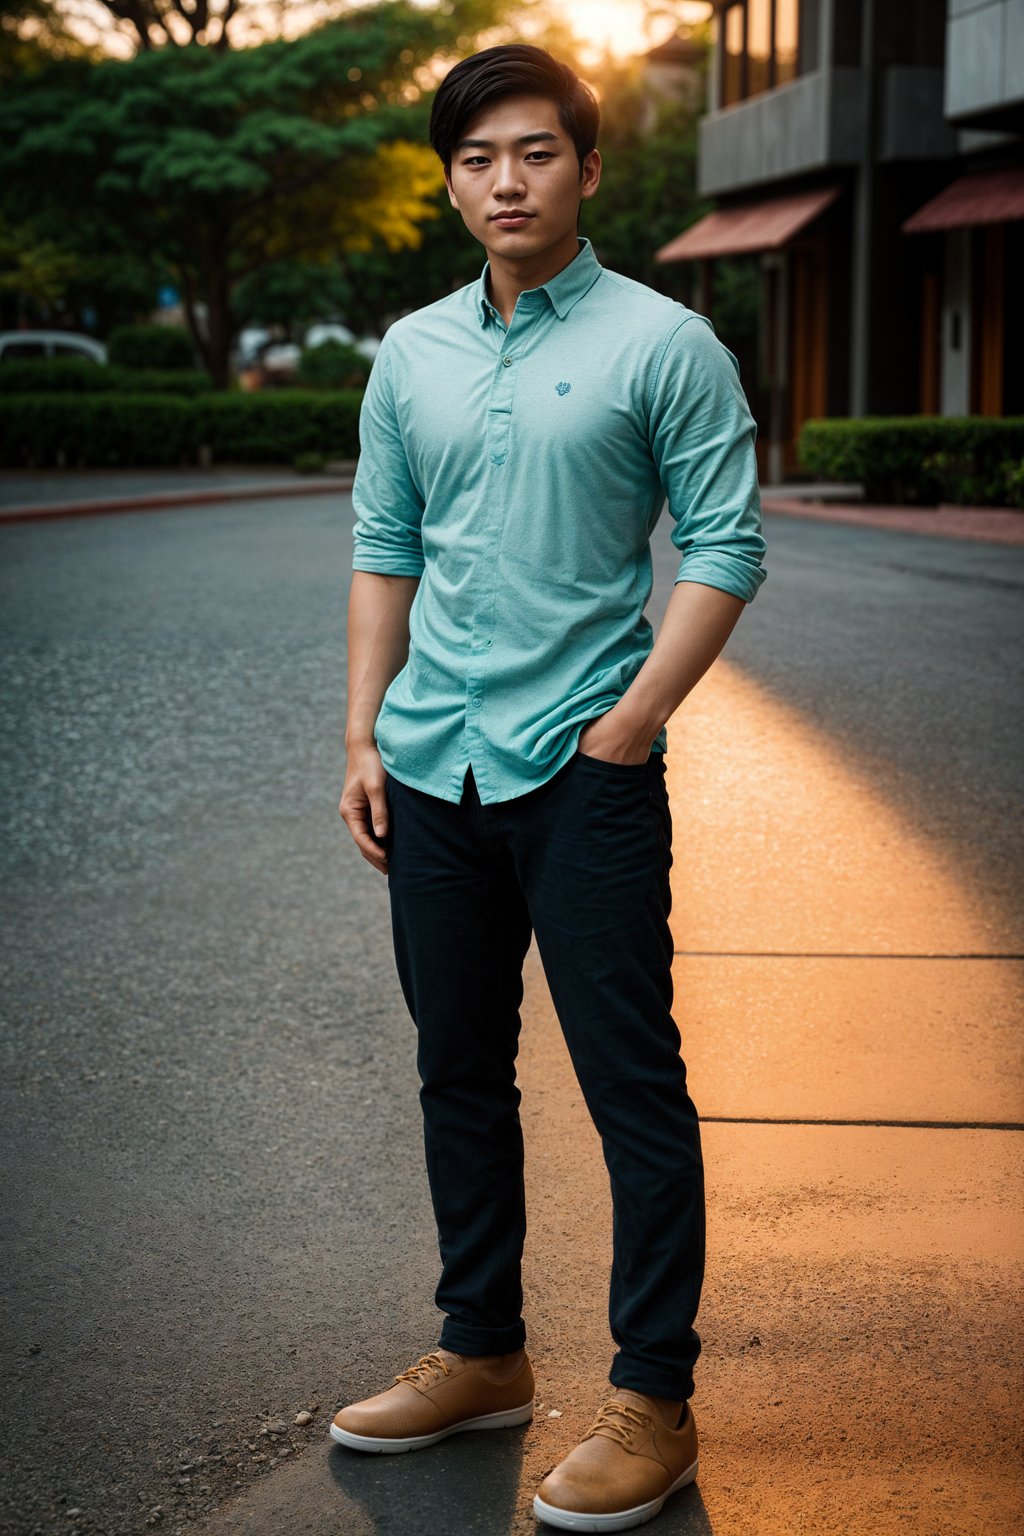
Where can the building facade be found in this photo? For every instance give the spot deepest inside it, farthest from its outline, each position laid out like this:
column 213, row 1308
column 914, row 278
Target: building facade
column 869, row 156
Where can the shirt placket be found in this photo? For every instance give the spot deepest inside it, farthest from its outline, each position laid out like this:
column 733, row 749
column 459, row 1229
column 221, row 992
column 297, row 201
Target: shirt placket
column 511, row 347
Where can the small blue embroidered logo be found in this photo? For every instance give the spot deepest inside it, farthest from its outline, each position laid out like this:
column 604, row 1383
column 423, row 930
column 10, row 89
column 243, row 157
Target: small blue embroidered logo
column 563, row 389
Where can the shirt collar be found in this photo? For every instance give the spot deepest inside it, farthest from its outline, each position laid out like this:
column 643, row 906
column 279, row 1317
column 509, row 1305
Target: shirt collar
column 564, row 290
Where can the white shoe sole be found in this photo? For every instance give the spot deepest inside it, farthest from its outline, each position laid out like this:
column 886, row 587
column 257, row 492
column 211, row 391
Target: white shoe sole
column 380, row 1446
column 620, row 1520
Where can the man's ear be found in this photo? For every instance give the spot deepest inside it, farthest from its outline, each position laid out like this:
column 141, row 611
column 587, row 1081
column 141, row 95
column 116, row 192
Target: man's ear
column 591, row 176
column 451, row 195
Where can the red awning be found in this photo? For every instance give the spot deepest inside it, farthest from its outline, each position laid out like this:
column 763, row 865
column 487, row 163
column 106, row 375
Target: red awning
column 983, row 197
column 762, row 226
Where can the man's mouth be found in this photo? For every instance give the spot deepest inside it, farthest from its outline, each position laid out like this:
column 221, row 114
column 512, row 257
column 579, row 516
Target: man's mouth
column 511, row 220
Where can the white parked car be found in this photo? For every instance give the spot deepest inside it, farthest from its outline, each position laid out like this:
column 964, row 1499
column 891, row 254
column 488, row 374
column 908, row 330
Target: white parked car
column 328, row 330
column 19, row 346
column 282, row 357
column 333, row 330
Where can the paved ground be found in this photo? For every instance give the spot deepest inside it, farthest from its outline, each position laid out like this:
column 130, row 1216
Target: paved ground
column 217, row 1214
column 27, row 495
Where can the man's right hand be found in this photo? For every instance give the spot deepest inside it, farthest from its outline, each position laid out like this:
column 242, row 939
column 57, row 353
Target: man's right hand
column 363, row 807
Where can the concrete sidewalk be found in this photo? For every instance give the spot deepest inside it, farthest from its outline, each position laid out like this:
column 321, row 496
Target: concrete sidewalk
column 29, row 494
column 849, row 1008
column 991, row 525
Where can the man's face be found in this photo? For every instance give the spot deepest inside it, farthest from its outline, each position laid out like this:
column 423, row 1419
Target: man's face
column 540, row 177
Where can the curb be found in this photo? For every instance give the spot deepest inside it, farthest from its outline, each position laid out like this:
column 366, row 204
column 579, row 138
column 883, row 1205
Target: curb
column 161, row 500
column 983, row 525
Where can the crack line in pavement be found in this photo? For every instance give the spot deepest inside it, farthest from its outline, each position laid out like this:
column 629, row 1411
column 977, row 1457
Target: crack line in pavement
column 925, row 1125
column 833, row 954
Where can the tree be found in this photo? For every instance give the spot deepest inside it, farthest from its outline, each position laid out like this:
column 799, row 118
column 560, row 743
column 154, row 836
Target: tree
column 32, row 34
column 224, row 163
column 648, row 192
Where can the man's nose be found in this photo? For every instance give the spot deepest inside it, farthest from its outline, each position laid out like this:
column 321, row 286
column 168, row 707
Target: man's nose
column 508, row 178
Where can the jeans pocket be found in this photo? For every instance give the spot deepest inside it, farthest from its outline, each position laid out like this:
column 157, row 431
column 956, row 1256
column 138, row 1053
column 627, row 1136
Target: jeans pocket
column 604, row 764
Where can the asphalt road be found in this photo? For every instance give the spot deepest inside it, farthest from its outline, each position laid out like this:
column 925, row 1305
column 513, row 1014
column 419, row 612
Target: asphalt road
column 215, row 1208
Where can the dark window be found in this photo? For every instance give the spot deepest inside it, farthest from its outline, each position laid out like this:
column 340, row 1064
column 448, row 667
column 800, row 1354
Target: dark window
column 16, row 350
column 759, row 47
column 787, row 34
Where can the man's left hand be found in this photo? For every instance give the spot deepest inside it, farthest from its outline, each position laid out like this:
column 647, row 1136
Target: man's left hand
column 608, row 738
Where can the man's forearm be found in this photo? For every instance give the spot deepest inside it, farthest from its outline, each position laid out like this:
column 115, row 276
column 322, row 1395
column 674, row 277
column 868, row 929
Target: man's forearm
column 698, row 621
column 378, row 646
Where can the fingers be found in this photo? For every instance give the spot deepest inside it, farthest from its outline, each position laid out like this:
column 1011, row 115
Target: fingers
column 378, row 810
column 364, row 811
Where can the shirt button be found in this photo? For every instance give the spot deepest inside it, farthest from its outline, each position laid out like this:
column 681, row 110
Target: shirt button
column 507, row 362
column 477, row 703
column 487, row 642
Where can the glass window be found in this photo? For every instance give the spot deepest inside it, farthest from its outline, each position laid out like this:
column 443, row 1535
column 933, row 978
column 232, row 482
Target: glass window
column 759, row 46
column 732, row 70
column 787, row 30
column 16, row 350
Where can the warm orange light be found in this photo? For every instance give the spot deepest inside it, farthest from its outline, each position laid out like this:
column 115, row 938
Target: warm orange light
column 626, row 27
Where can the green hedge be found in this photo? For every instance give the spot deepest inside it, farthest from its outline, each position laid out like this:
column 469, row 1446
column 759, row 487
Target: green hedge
column 39, row 431
column 921, row 460
column 151, row 346
column 64, row 375
column 333, row 365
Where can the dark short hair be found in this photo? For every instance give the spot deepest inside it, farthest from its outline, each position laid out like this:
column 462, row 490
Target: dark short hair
column 511, row 69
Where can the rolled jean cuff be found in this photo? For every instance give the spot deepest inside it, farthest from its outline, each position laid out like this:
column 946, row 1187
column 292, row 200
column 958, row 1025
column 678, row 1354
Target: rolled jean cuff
column 467, row 1339
column 653, row 1381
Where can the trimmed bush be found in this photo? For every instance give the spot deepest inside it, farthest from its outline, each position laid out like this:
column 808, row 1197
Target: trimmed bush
column 62, row 375
column 275, row 426
column 151, row 346
column 83, row 429
column 333, row 365
column 921, row 460
column 96, row 429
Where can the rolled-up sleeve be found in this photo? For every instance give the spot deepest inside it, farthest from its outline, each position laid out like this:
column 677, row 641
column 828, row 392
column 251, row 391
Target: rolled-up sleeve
column 388, row 505
column 702, row 438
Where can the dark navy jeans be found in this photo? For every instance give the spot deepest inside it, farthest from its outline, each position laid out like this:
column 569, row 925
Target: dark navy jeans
column 583, row 862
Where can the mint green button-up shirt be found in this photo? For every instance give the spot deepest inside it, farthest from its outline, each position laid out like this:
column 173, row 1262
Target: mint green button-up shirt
column 520, row 473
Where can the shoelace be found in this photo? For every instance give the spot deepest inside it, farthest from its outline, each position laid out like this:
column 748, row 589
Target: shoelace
column 424, row 1368
column 623, row 1432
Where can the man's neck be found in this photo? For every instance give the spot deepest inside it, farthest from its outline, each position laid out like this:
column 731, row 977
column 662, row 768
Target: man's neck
column 507, row 278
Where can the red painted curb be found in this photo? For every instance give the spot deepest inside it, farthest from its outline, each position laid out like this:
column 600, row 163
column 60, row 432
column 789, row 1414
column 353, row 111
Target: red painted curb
column 985, row 525
column 160, row 501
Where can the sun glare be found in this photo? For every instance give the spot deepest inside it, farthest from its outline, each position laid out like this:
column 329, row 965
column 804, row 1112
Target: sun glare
column 625, row 27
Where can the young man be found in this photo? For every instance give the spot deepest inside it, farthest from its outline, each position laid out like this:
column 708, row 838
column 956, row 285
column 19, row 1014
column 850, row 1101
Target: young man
column 506, row 739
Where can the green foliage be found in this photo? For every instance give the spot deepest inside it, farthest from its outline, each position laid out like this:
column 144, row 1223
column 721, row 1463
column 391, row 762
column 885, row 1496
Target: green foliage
column 134, row 430
column 736, row 304
column 151, row 346
column 33, row 33
column 224, row 162
column 310, row 463
column 85, row 429
column 333, row 365
column 274, row 426
column 1014, row 472
column 921, row 460
column 31, row 267
column 61, row 375
column 647, row 193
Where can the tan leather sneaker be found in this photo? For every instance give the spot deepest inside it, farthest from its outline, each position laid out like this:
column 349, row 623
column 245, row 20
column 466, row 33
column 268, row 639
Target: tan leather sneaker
column 443, row 1393
column 622, row 1471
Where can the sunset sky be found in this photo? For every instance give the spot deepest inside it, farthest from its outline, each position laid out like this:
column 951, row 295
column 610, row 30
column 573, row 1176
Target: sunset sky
column 625, row 26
